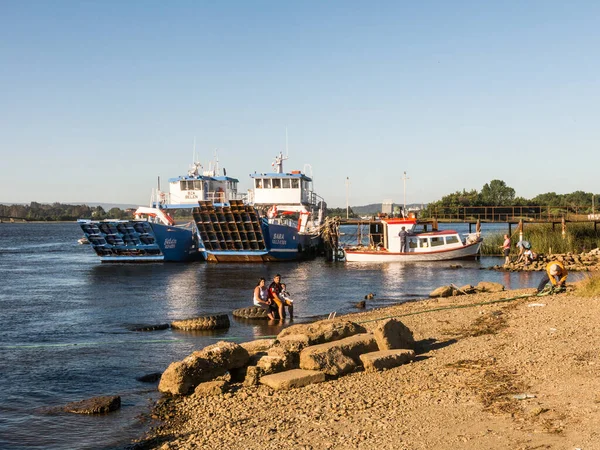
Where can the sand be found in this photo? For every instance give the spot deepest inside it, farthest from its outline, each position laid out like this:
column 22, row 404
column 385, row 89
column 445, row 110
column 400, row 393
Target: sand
column 521, row 374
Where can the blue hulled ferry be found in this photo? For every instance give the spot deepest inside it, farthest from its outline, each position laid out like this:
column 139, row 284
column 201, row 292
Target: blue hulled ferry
column 278, row 219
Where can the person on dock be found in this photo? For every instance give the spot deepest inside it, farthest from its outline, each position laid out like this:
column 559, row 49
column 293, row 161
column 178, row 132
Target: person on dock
column 274, row 295
column 261, row 298
column 529, row 256
column 556, row 274
column 506, row 249
column 403, row 234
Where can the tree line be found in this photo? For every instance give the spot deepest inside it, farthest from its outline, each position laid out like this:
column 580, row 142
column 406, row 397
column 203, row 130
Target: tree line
column 498, row 193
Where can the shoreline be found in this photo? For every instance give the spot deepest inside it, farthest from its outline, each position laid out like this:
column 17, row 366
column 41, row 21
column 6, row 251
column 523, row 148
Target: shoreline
column 459, row 392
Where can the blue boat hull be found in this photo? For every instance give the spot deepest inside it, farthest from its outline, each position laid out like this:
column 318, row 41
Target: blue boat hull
column 140, row 241
column 235, row 233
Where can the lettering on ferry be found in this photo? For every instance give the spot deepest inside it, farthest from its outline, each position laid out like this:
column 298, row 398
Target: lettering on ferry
column 190, row 195
column 278, row 239
column 170, row 243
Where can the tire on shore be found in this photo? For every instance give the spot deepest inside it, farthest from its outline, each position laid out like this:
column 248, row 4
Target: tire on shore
column 208, row 322
column 252, row 312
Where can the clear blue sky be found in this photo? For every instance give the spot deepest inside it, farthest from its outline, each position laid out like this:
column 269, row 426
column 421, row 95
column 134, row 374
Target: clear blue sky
column 98, row 98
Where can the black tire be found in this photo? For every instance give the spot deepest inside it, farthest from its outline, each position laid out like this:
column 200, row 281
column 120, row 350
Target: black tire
column 253, row 312
column 213, row 322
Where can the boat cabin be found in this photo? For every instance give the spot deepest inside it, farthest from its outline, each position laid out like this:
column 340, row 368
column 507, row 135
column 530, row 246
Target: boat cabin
column 281, row 188
column 188, row 190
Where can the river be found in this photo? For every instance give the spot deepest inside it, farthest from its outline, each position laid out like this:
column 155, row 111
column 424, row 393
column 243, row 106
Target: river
column 67, row 320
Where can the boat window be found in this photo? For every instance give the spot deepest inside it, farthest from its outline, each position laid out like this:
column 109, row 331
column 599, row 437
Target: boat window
column 423, row 242
column 267, row 183
column 285, row 183
column 295, row 183
column 412, row 243
column 451, row 239
column 276, row 183
column 186, row 185
column 436, row 241
column 198, row 185
column 258, row 183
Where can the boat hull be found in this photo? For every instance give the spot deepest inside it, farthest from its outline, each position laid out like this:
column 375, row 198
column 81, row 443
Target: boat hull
column 140, row 241
column 468, row 251
column 236, row 233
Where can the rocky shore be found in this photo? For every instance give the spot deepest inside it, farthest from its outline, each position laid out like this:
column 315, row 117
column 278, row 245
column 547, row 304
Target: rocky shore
column 585, row 261
column 499, row 370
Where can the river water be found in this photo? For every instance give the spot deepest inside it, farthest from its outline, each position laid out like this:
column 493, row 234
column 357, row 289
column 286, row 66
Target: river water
column 67, row 319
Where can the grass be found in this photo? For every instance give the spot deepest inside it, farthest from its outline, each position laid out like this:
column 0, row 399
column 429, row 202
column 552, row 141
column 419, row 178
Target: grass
column 579, row 237
column 589, row 286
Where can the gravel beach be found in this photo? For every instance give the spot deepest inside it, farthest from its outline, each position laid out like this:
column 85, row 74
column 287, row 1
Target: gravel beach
column 518, row 374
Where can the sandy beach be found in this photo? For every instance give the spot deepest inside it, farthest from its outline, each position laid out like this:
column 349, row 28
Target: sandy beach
column 516, row 374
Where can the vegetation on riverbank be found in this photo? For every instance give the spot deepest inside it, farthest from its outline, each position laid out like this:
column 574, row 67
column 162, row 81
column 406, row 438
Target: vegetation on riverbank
column 579, row 237
column 589, row 286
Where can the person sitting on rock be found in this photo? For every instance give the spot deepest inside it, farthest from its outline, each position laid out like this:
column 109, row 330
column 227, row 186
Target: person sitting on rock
column 274, row 295
column 529, row 256
column 556, row 274
column 261, row 298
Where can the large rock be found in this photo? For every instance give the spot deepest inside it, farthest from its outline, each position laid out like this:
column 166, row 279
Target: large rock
column 489, row 286
column 386, row 359
column 292, row 379
column 392, row 334
column 324, row 330
column 442, row 291
column 181, row 377
column 258, row 345
column 211, row 388
column 337, row 357
column 294, row 342
column 95, row 405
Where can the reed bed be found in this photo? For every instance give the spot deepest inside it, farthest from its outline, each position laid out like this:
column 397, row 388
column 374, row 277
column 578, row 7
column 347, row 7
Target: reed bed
column 579, row 237
column 589, row 286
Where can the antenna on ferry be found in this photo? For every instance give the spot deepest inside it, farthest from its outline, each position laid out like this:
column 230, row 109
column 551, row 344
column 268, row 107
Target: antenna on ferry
column 194, row 152
column 216, row 162
column 287, row 152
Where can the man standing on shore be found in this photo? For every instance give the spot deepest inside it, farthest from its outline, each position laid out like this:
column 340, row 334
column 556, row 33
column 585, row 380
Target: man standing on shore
column 506, row 249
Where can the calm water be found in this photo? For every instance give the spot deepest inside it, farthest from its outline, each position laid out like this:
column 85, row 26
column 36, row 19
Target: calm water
column 66, row 323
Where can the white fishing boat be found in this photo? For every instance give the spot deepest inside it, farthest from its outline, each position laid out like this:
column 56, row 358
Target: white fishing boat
column 384, row 244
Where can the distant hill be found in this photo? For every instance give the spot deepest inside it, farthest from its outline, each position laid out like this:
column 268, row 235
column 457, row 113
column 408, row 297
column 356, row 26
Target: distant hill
column 105, row 206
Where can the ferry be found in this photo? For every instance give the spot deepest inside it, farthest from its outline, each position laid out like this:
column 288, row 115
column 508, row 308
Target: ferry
column 279, row 220
column 384, row 244
column 152, row 235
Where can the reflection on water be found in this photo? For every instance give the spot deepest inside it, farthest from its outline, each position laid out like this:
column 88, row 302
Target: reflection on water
column 68, row 320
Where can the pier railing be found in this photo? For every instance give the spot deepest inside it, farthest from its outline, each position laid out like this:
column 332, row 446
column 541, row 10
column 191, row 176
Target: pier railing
column 509, row 213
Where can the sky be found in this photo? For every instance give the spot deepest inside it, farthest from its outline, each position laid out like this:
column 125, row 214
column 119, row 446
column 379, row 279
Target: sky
column 99, row 98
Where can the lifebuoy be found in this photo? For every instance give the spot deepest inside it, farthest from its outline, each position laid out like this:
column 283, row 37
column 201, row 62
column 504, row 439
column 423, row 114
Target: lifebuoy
column 340, row 254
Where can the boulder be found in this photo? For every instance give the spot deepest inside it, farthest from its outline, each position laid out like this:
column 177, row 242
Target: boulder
column 324, row 330
column 361, row 305
column 489, row 286
column 294, row 342
column 95, row 405
column 442, row 291
column 392, row 334
column 386, row 359
column 258, row 345
column 292, row 379
column 211, row 388
column 150, row 377
column 181, row 377
column 337, row 357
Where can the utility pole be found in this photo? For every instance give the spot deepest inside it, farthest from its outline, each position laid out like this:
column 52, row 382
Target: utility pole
column 404, row 178
column 347, row 196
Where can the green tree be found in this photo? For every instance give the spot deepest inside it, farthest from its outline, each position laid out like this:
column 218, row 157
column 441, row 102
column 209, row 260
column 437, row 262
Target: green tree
column 497, row 193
